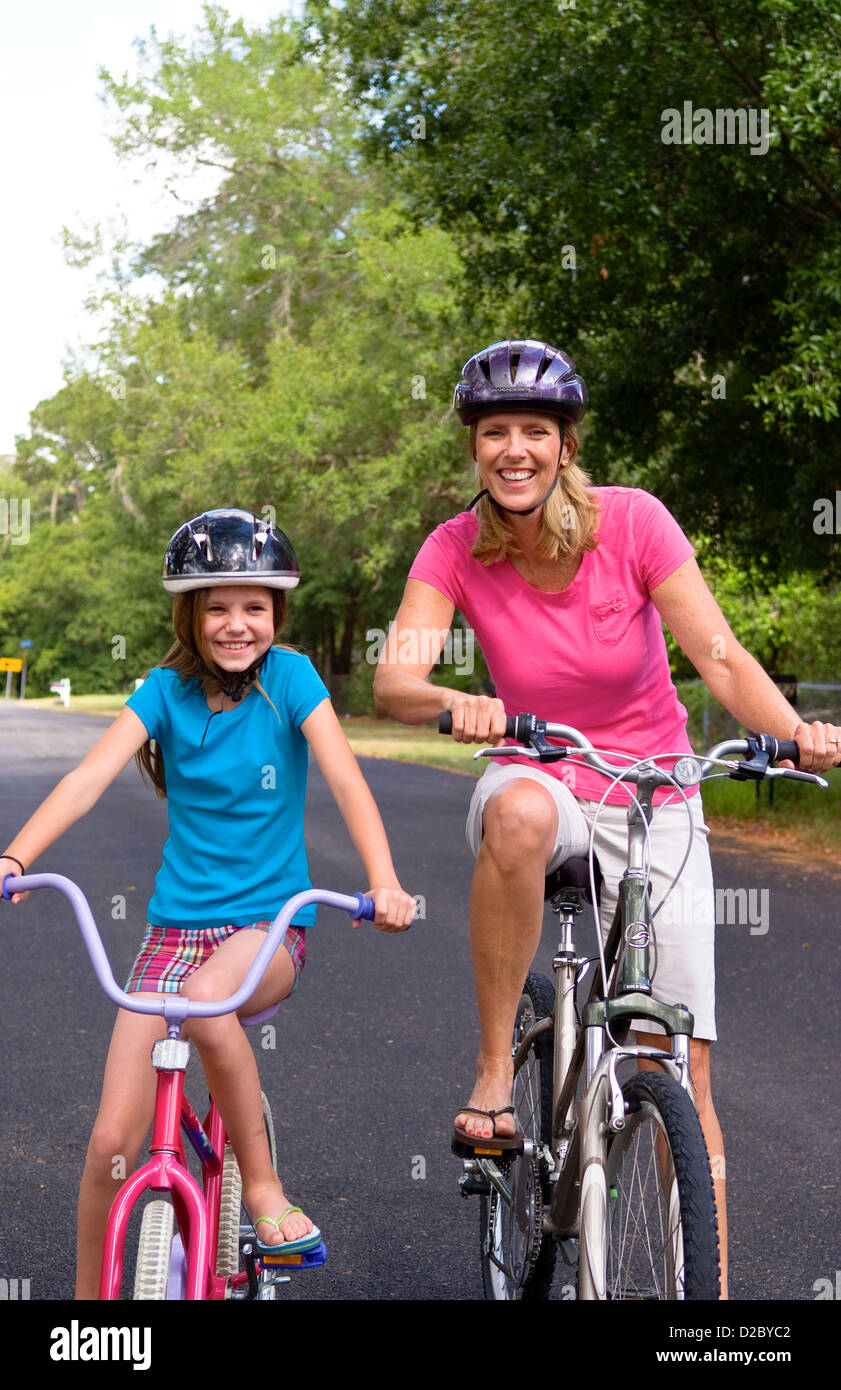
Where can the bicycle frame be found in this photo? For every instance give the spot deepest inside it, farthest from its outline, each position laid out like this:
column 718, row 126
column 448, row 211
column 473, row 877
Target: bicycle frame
column 629, row 996
column 196, row 1208
column 576, row 1160
column 578, row 1125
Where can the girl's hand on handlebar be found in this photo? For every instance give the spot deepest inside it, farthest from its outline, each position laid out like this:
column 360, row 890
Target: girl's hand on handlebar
column 7, row 867
column 820, row 746
column 477, row 719
column 394, row 909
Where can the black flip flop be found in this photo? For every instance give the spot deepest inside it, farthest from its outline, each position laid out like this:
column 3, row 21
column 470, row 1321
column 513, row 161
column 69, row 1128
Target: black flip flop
column 467, row 1145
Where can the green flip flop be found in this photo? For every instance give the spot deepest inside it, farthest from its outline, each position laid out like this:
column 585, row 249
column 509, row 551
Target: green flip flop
column 286, row 1247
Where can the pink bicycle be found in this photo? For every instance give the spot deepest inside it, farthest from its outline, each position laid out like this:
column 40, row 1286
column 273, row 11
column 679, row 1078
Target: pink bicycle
column 199, row 1244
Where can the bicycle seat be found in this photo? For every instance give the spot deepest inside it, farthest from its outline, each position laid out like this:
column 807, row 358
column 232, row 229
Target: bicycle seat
column 254, row 1019
column 573, row 877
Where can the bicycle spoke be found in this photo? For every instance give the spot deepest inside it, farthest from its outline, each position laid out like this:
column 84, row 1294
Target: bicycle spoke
column 646, row 1231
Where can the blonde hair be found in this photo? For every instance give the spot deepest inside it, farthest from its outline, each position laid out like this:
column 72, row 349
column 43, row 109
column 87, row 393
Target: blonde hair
column 190, row 657
column 569, row 520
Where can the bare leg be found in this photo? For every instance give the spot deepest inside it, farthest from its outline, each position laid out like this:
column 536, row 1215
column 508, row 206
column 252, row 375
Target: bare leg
column 128, row 1101
column 232, row 1076
column 506, row 917
column 699, row 1067
column 125, row 1113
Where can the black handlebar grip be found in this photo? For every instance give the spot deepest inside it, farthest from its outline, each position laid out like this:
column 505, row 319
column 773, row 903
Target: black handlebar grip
column 779, row 749
column 445, row 724
column 787, row 750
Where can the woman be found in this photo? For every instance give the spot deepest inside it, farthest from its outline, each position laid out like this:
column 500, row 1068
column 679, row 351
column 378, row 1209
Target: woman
column 565, row 587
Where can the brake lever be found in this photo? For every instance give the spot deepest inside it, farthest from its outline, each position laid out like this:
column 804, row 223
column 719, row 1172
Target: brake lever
column 539, row 751
column 796, row 775
column 506, row 751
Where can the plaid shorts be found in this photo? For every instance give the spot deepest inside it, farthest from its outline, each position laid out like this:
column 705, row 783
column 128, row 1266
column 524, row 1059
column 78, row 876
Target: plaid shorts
column 169, row 955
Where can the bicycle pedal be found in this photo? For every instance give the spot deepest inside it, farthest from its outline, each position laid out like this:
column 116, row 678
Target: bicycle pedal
column 300, row 1259
column 474, row 1185
column 485, row 1149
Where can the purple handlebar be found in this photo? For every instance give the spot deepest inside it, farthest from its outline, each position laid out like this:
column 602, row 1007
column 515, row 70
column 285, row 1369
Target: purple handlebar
column 173, row 1007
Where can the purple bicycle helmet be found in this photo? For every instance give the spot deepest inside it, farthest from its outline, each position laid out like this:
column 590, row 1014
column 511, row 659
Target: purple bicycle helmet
column 522, row 374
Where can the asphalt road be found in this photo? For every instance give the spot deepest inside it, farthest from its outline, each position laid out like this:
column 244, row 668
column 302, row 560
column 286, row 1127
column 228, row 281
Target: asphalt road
column 374, row 1052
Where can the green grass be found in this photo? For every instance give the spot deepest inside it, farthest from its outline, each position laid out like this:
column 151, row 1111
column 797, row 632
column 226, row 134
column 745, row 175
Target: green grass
column 382, row 738
column 806, row 811
column 81, row 704
column 811, row 812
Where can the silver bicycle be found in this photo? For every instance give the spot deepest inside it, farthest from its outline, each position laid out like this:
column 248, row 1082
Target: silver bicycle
column 613, row 1173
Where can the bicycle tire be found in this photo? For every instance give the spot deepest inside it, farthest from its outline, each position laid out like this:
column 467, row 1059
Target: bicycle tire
column 230, row 1208
column 233, row 1219
column 662, row 1233
column 518, row 1261
column 151, row 1275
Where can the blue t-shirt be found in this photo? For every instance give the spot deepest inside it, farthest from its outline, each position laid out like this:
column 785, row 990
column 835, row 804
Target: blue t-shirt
column 235, row 783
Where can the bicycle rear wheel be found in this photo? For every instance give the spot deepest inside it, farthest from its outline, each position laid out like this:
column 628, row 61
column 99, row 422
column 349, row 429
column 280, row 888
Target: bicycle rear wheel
column 662, row 1234
column 518, row 1261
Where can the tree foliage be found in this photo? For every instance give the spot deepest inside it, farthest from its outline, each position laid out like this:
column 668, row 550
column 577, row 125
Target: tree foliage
column 393, row 184
column 696, row 284
column 293, row 360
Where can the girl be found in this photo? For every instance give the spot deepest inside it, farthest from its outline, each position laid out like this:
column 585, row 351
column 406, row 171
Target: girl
column 230, row 716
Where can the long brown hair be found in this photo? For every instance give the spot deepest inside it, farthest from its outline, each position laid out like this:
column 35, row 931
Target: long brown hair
column 190, row 657
column 569, row 520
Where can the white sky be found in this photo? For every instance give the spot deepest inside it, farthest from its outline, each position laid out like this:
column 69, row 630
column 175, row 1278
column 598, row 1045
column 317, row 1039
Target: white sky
column 58, row 169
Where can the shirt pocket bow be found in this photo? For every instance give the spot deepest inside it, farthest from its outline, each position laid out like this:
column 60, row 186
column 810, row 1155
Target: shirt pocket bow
column 611, row 619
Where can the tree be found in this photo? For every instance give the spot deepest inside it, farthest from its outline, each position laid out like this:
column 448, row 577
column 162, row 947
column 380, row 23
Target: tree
column 261, row 253
column 696, row 284
column 324, row 405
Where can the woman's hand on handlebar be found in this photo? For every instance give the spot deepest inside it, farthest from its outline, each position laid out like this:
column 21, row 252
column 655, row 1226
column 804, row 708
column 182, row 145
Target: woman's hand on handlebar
column 819, row 744
column 7, row 867
column 477, row 719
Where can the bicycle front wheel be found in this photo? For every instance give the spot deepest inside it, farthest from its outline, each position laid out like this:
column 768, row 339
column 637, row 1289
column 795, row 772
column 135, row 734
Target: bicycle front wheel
column 153, row 1252
column 518, row 1261
column 662, row 1234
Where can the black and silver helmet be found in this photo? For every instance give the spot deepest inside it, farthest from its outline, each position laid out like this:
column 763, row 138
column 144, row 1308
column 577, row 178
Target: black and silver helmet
column 520, row 374
column 229, row 546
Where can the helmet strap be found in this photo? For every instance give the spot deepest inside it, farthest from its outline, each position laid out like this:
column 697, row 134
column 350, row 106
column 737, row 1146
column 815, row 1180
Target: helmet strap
column 236, row 684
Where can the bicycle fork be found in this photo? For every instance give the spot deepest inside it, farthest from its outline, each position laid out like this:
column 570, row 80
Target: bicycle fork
column 166, row 1171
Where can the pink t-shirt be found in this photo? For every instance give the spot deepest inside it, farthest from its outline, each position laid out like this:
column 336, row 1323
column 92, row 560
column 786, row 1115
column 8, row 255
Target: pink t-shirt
column 592, row 656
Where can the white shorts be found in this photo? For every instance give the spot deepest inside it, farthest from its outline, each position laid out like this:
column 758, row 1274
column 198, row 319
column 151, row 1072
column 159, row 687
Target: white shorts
column 684, row 929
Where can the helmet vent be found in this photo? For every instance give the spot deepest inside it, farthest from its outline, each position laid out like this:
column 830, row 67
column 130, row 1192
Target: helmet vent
column 202, row 540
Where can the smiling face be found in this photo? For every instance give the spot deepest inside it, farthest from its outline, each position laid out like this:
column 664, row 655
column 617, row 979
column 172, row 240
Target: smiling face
column 517, row 456
column 238, row 625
